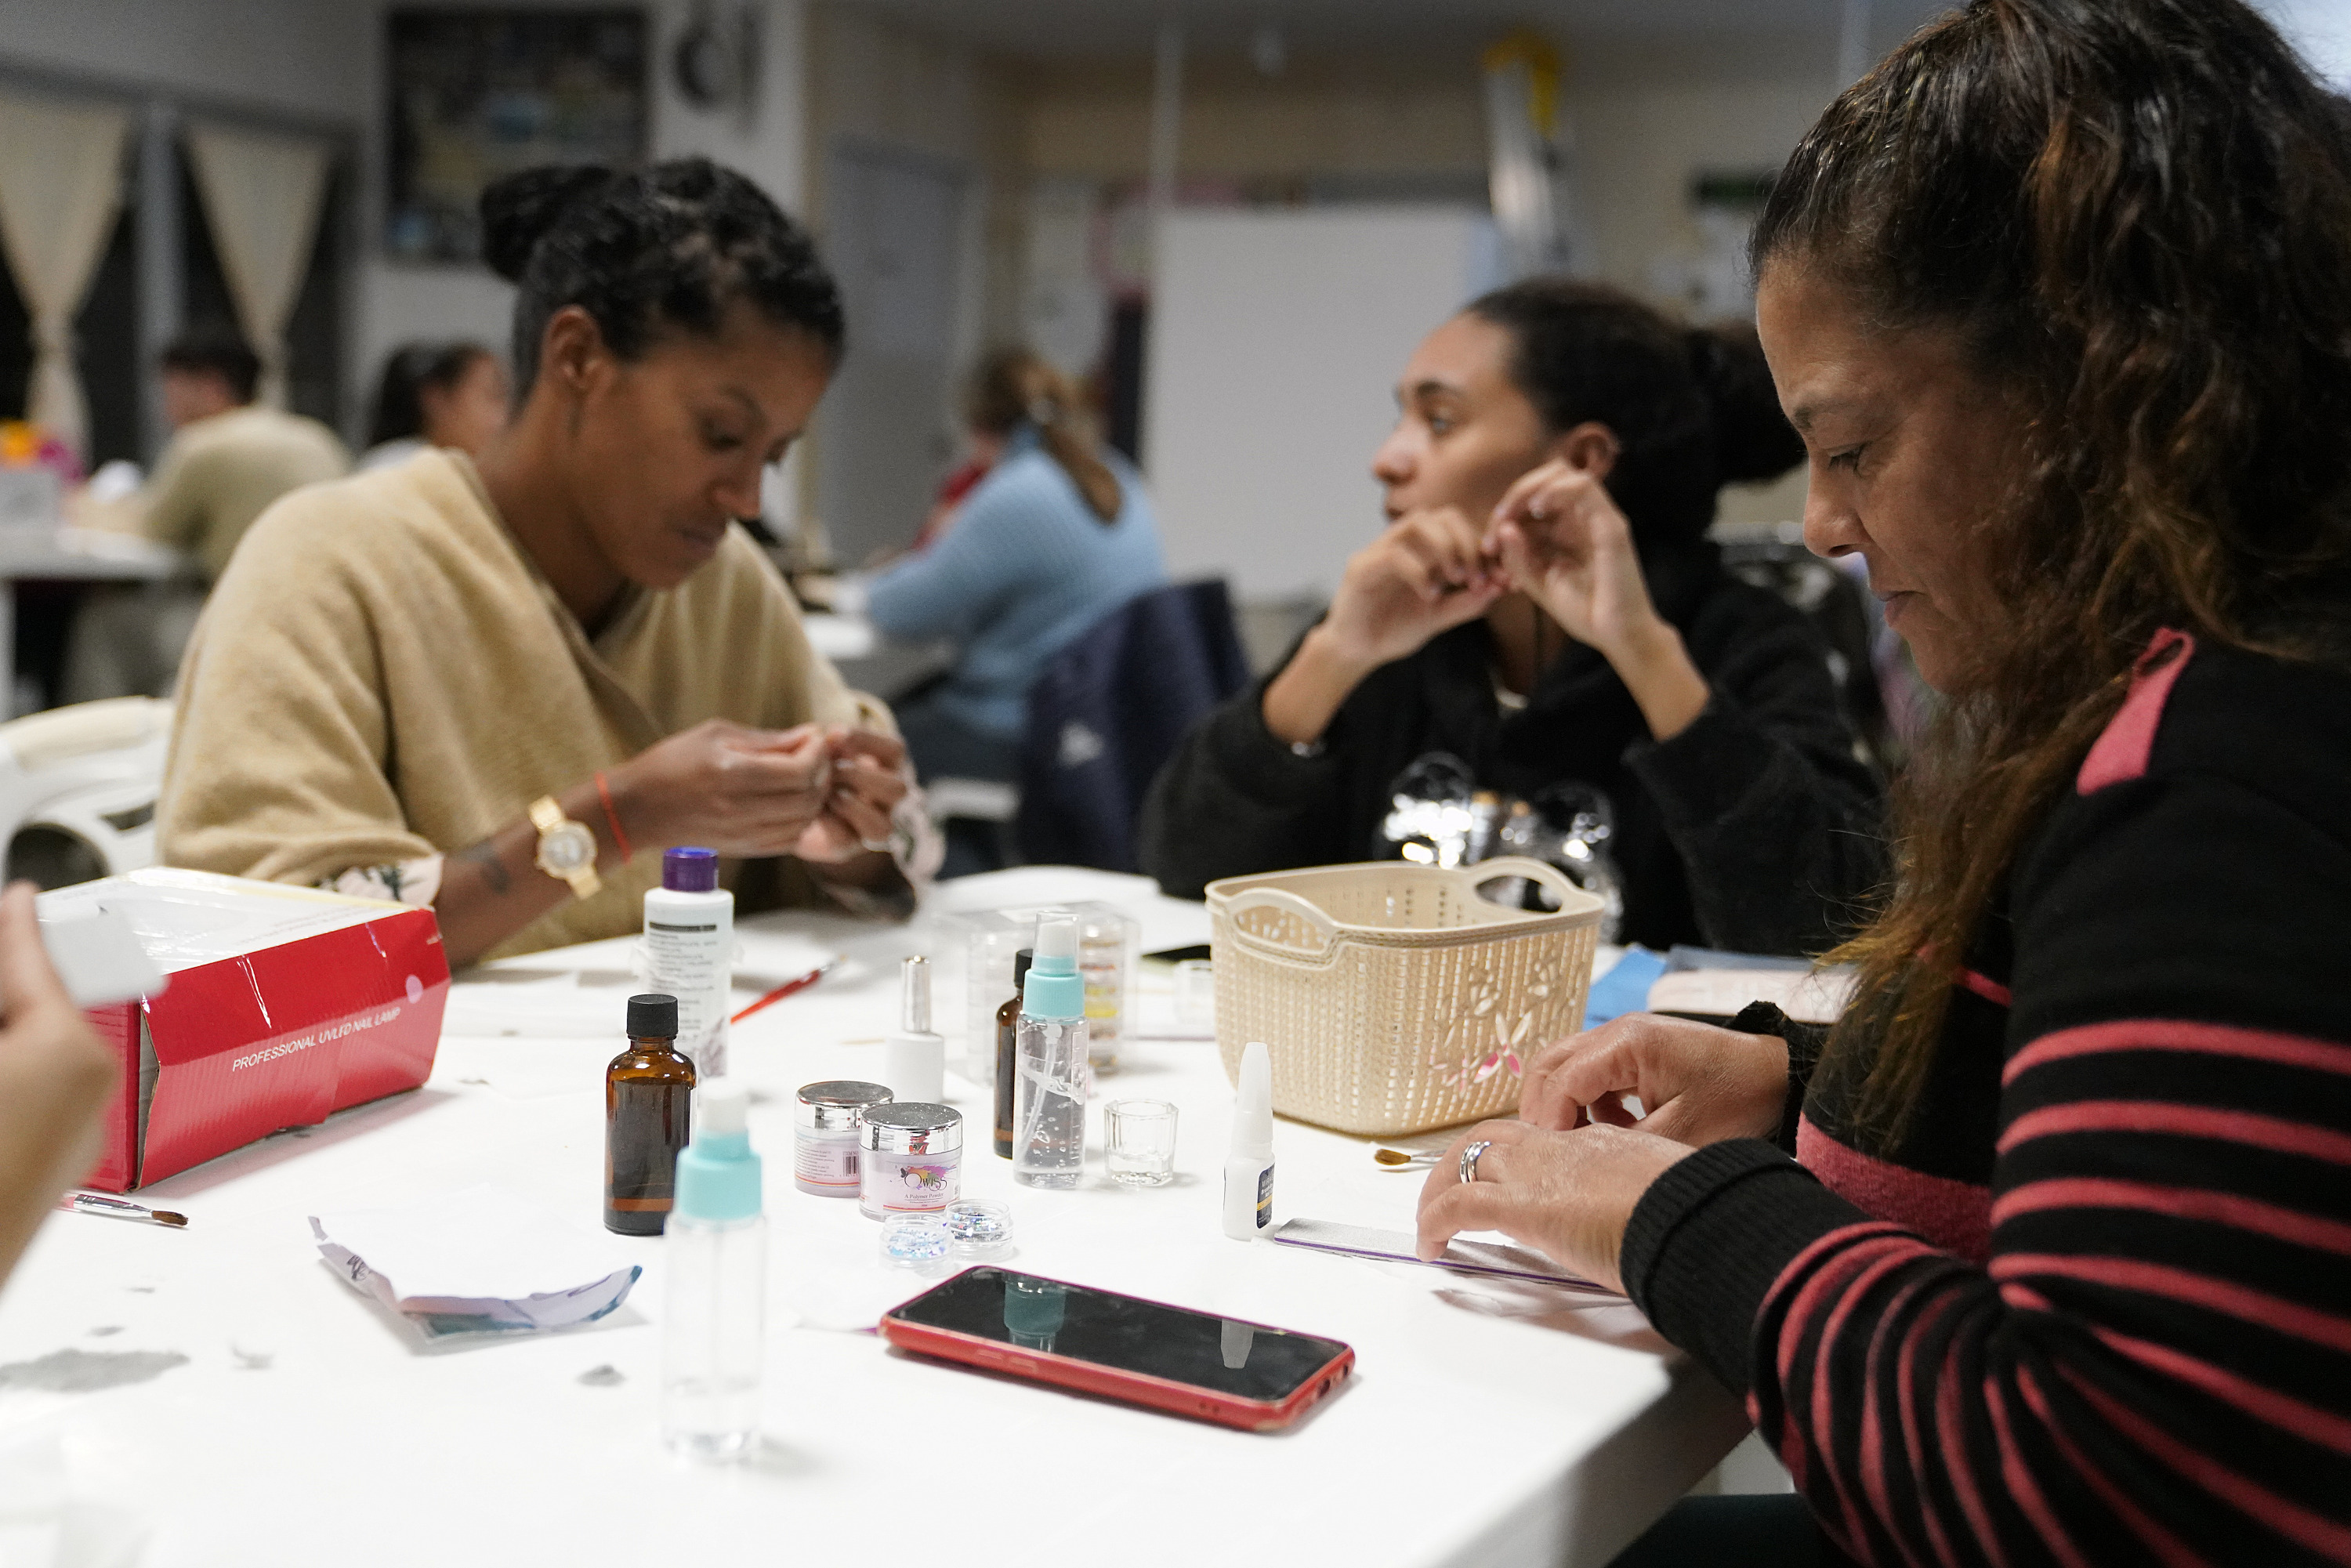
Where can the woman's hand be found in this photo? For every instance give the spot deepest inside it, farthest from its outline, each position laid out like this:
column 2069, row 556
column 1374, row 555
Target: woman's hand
column 1427, row 573
column 1697, row 1083
column 1562, row 542
column 55, row 1074
column 868, row 779
column 1568, row 1194
column 726, row 787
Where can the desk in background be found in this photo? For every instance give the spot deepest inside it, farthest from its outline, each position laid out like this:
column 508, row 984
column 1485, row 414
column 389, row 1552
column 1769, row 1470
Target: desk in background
column 80, row 556
column 1485, row 1427
column 871, row 663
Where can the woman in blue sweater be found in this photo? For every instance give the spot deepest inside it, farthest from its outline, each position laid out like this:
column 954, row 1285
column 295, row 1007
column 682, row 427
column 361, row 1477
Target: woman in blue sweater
column 1056, row 536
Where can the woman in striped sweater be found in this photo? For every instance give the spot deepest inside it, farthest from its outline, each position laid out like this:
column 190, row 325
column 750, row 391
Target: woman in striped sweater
column 2060, row 1270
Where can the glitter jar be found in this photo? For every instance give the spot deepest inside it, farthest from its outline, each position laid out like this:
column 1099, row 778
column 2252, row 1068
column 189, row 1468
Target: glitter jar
column 824, row 1126
column 918, row 1241
column 979, row 1230
column 911, row 1158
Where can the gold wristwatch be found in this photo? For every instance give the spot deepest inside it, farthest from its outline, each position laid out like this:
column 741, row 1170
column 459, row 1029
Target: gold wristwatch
column 567, row 850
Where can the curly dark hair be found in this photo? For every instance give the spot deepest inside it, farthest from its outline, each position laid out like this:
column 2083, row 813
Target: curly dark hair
column 1692, row 408
column 2136, row 214
column 668, row 247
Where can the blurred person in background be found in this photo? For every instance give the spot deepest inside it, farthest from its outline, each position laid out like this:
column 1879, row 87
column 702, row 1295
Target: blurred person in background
column 436, row 394
column 228, row 459
column 1544, row 605
column 503, row 689
column 1056, row 536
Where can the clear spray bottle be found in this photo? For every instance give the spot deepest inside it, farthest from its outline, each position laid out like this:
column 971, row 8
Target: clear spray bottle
column 1048, row 1132
column 716, row 1254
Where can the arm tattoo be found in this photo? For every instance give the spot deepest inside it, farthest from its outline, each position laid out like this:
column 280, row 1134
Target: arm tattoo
column 494, row 872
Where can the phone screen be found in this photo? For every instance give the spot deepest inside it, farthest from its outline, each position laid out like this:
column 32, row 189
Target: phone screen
column 1247, row 1360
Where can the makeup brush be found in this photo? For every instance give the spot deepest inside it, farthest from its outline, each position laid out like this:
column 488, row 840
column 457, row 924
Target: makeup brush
column 119, row 1208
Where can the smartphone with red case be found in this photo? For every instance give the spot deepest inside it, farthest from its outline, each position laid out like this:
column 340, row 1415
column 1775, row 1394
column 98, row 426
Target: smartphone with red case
column 1236, row 1374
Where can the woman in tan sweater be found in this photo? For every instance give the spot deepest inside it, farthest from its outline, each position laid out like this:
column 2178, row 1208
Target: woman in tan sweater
column 502, row 690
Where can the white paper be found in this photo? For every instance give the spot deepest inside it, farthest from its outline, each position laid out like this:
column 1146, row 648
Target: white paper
column 480, row 1258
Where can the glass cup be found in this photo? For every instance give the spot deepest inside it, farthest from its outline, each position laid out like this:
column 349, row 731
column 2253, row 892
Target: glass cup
column 1196, row 993
column 1141, row 1144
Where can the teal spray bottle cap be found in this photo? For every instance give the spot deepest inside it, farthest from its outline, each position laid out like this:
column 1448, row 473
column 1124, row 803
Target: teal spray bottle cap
column 1053, row 988
column 718, row 1173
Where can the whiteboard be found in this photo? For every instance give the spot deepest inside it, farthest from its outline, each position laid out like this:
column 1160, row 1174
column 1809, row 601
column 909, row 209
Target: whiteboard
column 1276, row 341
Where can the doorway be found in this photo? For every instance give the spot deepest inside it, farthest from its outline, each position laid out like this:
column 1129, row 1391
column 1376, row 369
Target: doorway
column 894, row 237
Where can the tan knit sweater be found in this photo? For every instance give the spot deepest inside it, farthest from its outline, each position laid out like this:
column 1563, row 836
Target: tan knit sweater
column 382, row 674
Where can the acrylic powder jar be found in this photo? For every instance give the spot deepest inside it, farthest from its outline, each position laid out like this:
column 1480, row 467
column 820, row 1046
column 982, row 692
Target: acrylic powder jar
column 911, row 1157
column 824, row 1126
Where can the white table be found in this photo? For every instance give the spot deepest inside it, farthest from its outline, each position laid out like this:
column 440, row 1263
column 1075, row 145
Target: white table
column 870, row 662
column 69, row 555
column 1484, row 1427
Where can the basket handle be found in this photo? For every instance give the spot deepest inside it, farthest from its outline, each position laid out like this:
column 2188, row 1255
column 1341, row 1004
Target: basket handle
column 1289, row 903
column 1550, row 876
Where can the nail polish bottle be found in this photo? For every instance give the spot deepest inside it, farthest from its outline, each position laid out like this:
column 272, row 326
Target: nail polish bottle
column 648, row 1117
column 915, row 1060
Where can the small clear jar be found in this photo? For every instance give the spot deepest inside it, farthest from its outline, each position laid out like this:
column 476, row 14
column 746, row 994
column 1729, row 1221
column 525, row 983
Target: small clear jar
column 911, row 1158
column 825, row 1150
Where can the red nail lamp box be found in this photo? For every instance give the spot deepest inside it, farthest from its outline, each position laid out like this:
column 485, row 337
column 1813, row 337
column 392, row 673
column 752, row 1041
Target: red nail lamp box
column 284, row 1005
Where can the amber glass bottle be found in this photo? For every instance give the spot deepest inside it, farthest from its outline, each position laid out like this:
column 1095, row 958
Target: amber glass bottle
column 648, row 1116
column 1008, row 1059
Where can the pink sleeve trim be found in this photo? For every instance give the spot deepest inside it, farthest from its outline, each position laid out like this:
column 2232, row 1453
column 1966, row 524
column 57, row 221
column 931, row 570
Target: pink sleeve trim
column 1987, row 988
column 1955, row 1216
column 2121, row 751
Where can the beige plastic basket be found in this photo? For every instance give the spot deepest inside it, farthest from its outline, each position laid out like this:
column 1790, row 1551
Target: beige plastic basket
column 1395, row 998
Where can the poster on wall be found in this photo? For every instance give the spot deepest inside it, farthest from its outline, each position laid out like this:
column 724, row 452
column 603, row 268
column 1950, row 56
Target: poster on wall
column 475, row 94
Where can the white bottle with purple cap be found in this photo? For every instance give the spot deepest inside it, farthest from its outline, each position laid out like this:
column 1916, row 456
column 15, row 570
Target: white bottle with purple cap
column 690, row 952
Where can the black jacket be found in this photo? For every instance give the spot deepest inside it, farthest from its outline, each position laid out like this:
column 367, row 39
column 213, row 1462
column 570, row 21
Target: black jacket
column 1755, row 829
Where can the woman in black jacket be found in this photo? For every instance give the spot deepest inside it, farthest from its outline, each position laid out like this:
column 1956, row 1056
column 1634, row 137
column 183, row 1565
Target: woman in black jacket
column 1544, row 605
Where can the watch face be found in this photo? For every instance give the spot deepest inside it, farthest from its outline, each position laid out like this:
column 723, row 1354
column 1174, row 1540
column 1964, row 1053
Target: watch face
column 568, row 849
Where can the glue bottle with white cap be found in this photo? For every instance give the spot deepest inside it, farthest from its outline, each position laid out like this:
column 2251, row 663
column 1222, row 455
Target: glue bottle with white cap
column 690, row 952
column 717, row 1255
column 1248, row 1168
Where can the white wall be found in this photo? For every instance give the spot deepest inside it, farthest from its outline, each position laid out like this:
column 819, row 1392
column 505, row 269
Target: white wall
column 400, row 300
column 324, row 60
column 2321, row 29
column 309, row 57
column 1276, row 340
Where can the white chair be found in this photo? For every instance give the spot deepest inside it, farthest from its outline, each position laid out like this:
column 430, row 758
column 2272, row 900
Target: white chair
column 77, row 788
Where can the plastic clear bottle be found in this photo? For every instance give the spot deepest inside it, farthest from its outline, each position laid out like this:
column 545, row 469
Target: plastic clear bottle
column 717, row 1255
column 1049, row 1138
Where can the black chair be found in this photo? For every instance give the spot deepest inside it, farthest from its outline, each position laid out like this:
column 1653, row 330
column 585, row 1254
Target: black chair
column 1839, row 608
column 1108, row 712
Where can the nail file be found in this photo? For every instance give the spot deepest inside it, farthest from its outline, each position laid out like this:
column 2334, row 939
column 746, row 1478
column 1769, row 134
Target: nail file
column 99, row 958
column 1491, row 1260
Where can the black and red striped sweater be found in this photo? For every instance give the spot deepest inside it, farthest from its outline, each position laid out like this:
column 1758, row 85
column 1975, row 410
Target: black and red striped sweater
column 2096, row 1307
